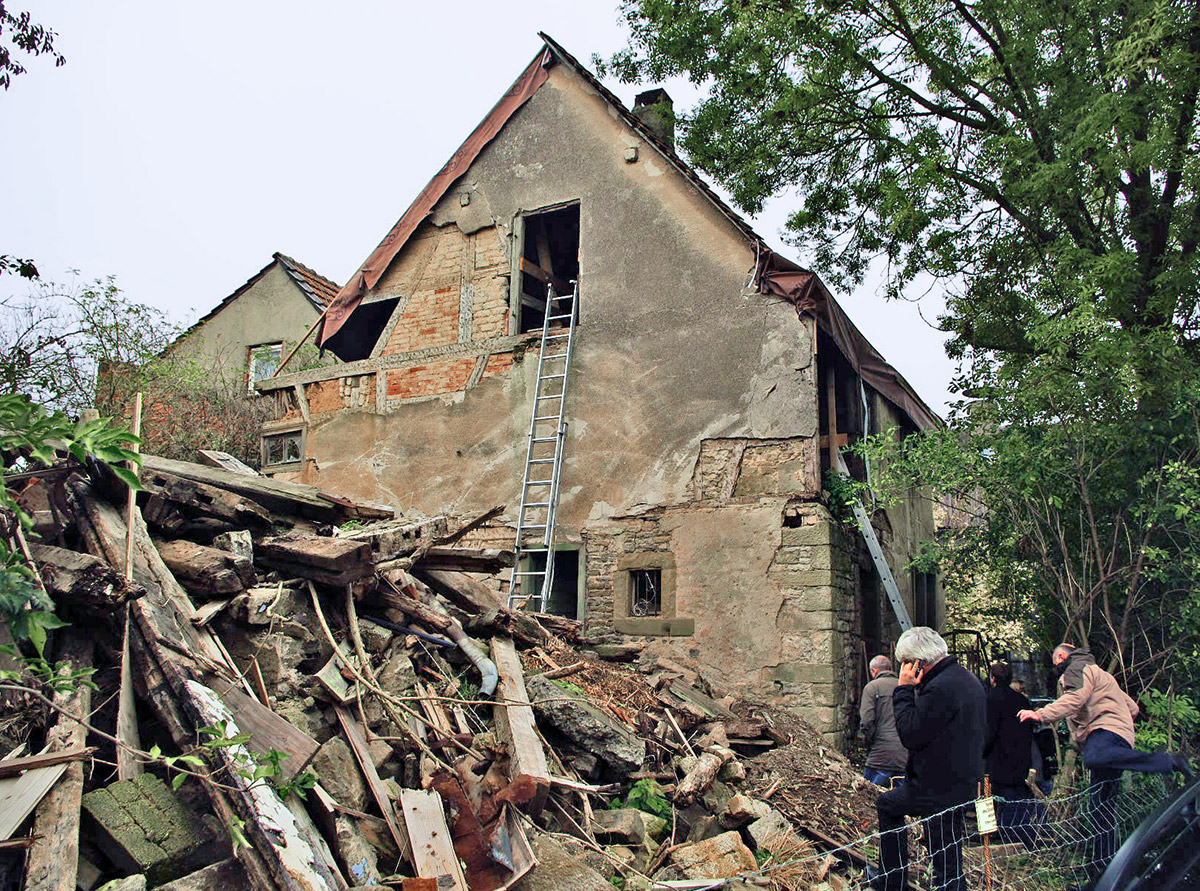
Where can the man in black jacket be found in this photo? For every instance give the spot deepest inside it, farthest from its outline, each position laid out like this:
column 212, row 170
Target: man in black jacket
column 941, row 715
column 1008, row 749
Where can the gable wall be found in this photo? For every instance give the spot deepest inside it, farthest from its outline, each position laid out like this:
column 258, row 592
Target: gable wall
column 271, row 310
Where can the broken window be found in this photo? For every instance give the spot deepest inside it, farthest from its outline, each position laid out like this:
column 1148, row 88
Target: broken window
column 262, row 362
column 645, row 593
column 549, row 260
column 283, row 448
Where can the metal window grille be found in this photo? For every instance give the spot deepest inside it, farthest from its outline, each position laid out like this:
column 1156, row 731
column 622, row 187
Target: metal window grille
column 645, row 592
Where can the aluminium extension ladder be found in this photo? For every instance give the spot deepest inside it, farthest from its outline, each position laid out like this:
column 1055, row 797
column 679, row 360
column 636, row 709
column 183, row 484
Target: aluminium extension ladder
column 531, row 584
column 881, row 565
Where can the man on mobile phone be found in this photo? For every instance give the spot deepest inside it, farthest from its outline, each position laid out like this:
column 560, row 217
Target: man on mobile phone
column 941, row 716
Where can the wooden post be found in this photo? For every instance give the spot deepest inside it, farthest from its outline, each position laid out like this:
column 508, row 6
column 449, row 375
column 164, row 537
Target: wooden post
column 55, row 853
column 516, row 727
column 128, row 766
column 987, row 841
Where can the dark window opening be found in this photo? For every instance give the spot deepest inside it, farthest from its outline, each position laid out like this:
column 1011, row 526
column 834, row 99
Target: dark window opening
column 838, row 386
column 924, row 586
column 645, row 593
column 549, row 260
column 869, row 603
column 356, row 338
column 564, row 588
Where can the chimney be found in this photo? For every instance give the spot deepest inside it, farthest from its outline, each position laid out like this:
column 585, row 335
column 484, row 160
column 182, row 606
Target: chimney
column 655, row 109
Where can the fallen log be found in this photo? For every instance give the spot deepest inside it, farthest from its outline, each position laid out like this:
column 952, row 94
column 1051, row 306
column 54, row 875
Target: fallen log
column 82, row 580
column 488, row 560
column 191, row 499
column 702, row 776
column 206, row 572
column 475, row 597
column 53, row 858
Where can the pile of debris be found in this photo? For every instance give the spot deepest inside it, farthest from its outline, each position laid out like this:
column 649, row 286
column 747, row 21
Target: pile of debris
column 328, row 696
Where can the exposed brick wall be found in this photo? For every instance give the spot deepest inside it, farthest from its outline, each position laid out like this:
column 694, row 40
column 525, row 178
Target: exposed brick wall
column 324, row 396
column 430, row 378
column 429, row 319
column 498, row 363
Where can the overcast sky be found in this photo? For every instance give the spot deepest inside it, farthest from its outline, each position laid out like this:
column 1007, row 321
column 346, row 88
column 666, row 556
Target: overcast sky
column 182, row 144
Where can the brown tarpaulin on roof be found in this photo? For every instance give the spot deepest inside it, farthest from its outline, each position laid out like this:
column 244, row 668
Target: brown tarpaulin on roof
column 372, row 270
column 807, row 293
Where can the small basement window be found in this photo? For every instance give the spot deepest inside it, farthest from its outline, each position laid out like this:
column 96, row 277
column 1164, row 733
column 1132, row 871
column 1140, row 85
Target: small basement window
column 645, row 593
column 262, row 360
column 549, row 260
column 283, row 448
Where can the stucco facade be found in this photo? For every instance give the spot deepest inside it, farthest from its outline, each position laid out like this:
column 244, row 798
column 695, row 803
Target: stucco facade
column 695, row 421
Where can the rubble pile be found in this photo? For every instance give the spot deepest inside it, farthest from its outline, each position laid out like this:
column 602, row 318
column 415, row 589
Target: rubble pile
column 294, row 691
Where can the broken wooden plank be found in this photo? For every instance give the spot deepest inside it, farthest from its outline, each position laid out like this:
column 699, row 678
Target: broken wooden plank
column 703, row 775
column 54, row 857
column 206, row 572
column 433, row 854
column 206, row 612
column 21, row 794
column 225, row 461
column 705, row 704
column 269, row 731
column 293, row 852
column 82, row 580
column 326, row 560
column 489, row 560
column 273, row 494
column 191, row 499
column 358, row 744
column 515, row 725
column 11, row 767
column 331, row 678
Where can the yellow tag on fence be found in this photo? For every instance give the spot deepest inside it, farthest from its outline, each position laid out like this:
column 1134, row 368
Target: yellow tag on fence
column 985, row 815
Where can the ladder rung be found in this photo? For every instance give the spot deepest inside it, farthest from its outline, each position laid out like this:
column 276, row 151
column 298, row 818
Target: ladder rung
column 560, row 318
column 547, row 418
column 556, row 336
column 547, row 377
column 532, row 572
column 533, row 526
column 541, row 461
column 537, row 503
column 544, row 439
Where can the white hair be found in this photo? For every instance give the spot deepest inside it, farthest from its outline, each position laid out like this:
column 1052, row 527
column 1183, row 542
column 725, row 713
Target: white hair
column 920, row 643
column 880, row 663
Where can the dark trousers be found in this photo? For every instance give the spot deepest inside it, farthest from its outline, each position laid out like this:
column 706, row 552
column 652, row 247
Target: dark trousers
column 944, row 833
column 1105, row 754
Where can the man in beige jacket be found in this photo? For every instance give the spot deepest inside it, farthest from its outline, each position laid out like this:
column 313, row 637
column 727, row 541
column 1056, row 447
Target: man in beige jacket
column 1100, row 717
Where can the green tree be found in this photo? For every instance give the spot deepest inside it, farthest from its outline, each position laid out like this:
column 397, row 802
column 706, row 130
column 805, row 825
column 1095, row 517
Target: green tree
column 1041, row 161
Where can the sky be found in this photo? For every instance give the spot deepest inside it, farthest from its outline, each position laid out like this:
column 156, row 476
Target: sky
column 183, row 144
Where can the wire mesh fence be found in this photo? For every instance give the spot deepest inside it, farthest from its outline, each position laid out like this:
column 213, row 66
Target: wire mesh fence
column 1040, row 844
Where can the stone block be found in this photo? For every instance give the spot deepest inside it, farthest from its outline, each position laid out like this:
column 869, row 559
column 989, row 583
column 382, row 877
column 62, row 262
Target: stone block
column 816, row 599
column 802, row 672
column 129, row 883
column 355, row 852
column 558, row 869
column 774, row 834
column 588, row 727
column 622, row 826
column 338, row 771
column 802, row 578
column 143, row 828
column 721, row 857
column 742, row 809
column 236, row 542
column 815, row 534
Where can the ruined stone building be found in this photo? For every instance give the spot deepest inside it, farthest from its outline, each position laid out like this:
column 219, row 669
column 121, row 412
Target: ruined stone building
column 709, row 378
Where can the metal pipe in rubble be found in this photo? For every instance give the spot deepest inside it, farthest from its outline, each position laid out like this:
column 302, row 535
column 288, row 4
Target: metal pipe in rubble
column 489, row 677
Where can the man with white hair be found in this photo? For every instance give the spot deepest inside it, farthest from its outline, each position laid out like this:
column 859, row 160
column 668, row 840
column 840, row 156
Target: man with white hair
column 886, row 755
column 941, row 717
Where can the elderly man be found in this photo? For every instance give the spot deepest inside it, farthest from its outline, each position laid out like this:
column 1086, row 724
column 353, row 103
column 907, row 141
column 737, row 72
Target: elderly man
column 941, row 716
column 1100, row 717
column 886, row 755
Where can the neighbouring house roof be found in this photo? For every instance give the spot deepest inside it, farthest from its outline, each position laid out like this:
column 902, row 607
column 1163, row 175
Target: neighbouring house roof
column 774, row 274
column 317, row 289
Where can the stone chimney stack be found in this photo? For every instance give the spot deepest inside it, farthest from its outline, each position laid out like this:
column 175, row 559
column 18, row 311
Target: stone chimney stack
column 655, row 109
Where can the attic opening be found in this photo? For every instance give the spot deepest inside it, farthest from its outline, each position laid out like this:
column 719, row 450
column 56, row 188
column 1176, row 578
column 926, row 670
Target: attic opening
column 356, row 338
column 843, row 405
column 549, row 260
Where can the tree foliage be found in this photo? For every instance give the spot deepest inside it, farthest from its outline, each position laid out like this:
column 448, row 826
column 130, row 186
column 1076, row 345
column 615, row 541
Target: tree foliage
column 20, row 34
column 1041, row 161
column 84, row 345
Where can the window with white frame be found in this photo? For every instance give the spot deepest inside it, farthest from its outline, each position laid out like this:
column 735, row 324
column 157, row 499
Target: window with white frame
column 262, row 360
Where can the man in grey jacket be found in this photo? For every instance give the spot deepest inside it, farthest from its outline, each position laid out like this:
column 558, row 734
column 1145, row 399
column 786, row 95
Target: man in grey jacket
column 886, row 755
